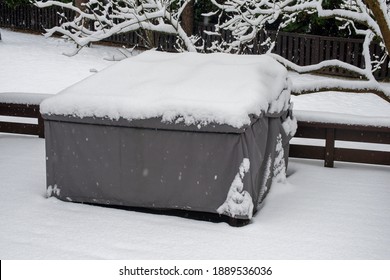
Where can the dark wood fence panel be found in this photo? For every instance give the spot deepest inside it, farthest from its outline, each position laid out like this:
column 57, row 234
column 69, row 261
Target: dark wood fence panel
column 332, row 132
column 19, row 128
column 28, row 17
column 306, row 151
column 24, row 111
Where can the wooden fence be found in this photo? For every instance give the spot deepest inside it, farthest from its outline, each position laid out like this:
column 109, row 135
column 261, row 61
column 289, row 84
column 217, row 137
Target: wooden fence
column 332, row 132
column 301, row 49
column 28, row 17
column 23, row 111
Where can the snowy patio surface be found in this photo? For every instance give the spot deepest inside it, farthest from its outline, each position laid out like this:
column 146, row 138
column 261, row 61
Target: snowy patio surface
column 321, row 213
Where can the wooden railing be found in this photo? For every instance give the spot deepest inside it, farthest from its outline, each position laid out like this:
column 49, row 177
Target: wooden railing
column 301, row 49
column 332, row 132
column 328, row 132
column 23, row 111
column 20, row 106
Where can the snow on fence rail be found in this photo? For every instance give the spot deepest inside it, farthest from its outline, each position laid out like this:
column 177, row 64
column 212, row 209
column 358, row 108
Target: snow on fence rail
column 301, row 49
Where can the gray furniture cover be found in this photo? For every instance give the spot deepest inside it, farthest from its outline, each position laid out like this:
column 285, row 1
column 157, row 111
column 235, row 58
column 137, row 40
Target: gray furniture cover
column 156, row 165
column 152, row 163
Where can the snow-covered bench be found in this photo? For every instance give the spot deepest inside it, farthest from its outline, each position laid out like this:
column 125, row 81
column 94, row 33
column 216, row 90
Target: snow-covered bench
column 335, row 116
column 22, row 105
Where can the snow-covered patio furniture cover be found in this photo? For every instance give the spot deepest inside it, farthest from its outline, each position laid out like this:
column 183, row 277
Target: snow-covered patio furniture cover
column 201, row 132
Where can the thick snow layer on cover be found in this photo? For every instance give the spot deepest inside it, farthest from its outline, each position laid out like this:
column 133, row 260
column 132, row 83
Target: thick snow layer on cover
column 342, row 107
column 194, row 88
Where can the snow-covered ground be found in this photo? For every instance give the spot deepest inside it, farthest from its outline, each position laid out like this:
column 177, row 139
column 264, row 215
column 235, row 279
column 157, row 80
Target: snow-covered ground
column 320, row 213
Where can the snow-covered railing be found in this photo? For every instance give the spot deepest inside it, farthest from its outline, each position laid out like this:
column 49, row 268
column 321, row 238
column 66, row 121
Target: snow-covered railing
column 22, row 105
column 331, row 132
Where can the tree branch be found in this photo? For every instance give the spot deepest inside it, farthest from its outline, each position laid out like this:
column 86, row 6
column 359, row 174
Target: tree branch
column 114, row 18
column 320, row 66
column 381, row 18
column 343, row 86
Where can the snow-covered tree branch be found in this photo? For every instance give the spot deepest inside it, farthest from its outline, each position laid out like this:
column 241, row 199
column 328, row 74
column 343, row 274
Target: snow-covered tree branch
column 97, row 20
column 367, row 18
column 100, row 19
